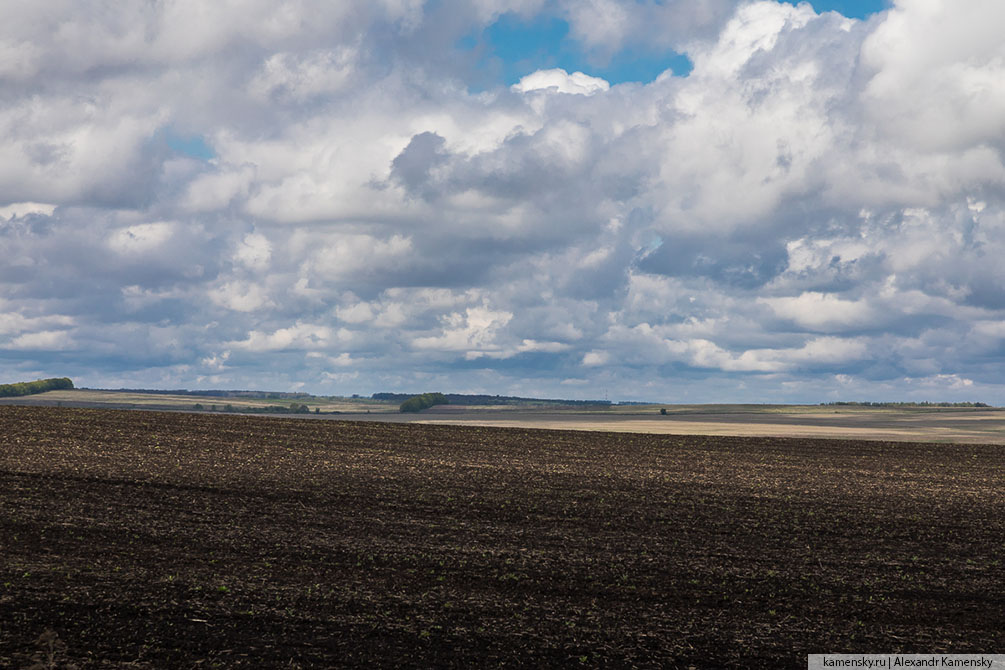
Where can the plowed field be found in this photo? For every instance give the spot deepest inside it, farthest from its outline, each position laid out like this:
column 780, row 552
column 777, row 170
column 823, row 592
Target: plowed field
column 163, row 540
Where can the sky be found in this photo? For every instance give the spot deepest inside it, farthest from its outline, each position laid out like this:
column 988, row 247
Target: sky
column 675, row 201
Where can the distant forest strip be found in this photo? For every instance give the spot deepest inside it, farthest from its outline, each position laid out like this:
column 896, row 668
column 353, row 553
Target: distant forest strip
column 267, row 395
column 37, row 386
column 464, row 399
column 907, row 404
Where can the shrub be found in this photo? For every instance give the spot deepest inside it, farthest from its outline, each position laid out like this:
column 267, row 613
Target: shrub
column 418, row 403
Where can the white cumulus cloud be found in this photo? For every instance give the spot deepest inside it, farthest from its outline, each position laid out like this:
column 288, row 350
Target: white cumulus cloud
column 561, row 81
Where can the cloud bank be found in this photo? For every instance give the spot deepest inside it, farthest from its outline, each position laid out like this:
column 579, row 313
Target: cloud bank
column 327, row 196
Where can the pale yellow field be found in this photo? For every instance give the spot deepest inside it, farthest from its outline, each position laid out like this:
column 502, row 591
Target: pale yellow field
column 982, row 426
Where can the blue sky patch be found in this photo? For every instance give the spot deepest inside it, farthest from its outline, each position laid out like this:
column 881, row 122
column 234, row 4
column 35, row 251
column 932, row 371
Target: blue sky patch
column 522, row 47
column 854, row 9
column 193, row 146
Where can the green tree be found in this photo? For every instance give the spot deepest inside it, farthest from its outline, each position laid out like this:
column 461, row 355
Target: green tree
column 417, row 403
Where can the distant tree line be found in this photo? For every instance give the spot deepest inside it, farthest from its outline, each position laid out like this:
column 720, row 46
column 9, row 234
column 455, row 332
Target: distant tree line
column 268, row 395
column 467, row 399
column 293, row 408
column 37, row 386
column 907, row 404
column 423, row 401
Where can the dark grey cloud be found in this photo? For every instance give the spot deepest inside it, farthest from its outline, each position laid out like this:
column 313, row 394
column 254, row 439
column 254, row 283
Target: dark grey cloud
column 412, row 168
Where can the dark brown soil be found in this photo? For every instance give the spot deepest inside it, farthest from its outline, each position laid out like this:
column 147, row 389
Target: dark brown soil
column 166, row 540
